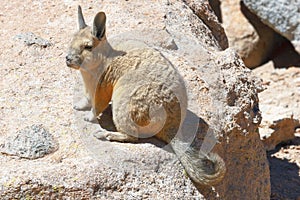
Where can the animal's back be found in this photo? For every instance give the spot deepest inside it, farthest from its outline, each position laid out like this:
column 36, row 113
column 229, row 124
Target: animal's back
column 149, row 97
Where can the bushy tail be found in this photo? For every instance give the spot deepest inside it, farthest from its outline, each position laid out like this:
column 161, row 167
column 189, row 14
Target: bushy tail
column 203, row 169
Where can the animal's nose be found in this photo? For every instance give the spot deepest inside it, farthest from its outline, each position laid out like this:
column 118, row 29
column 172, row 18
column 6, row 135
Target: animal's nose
column 68, row 58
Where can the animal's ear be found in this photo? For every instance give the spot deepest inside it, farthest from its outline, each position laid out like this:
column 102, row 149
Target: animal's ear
column 99, row 25
column 81, row 21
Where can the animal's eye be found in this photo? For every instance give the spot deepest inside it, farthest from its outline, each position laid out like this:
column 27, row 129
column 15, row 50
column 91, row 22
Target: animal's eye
column 88, row 47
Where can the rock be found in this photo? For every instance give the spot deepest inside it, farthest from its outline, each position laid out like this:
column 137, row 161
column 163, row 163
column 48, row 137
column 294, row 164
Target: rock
column 204, row 11
column 31, row 143
column 252, row 39
column 32, row 39
column 239, row 132
column 280, row 119
column 222, row 101
column 282, row 16
column 283, row 131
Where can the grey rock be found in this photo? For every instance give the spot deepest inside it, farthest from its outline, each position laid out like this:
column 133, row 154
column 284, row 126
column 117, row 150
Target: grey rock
column 281, row 15
column 32, row 39
column 203, row 10
column 31, row 143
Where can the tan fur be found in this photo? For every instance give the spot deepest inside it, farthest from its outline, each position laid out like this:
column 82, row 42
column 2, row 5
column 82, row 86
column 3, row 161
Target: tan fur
column 148, row 95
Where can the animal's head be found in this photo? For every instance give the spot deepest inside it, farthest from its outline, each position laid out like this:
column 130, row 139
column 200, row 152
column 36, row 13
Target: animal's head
column 86, row 40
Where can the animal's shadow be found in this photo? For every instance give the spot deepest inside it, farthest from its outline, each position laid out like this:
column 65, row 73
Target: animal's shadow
column 193, row 131
column 285, row 179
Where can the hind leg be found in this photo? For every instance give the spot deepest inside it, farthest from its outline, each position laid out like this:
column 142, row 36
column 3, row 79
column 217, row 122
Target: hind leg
column 114, row 136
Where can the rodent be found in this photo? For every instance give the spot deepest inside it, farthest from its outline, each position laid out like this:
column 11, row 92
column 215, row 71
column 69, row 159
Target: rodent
column 148, row 95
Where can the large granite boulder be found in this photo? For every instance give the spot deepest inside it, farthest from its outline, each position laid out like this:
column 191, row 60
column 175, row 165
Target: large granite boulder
column 223, row 116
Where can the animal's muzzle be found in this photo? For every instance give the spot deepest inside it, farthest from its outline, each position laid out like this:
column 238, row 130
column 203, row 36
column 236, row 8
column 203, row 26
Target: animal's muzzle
column 73, row 61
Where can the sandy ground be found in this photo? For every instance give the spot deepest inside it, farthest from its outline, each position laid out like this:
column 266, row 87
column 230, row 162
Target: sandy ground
column 37, row 86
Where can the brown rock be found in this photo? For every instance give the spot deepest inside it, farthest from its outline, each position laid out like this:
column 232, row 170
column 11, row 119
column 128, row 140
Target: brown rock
column 252, row 40
column 222, row 94
column 284, row 131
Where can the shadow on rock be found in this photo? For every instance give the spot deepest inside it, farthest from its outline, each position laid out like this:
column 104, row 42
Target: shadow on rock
column 194, row 128
column 285, row 179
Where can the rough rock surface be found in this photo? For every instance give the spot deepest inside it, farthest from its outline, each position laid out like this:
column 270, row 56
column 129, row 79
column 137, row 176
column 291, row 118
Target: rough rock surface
column 32, row 143
column 204, row 11
column 283, row 16
column 38, row 87
column 284, row 131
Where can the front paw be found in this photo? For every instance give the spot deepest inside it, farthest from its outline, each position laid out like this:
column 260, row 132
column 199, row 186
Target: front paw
column 83, row 104
column 91, row 117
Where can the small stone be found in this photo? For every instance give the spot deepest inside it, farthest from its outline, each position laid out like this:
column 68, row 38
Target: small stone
column 31, row 39
column 31, row 143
